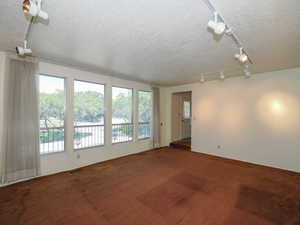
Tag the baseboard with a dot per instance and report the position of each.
(245, 163)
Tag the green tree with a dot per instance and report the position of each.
(145, 106)
(89, 107)
(122, 107)
(52, 109)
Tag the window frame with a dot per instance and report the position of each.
(132, 115)
(65, 112)
(73, 112)
(190, 110)
(138, 115)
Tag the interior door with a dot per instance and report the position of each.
(181, 116)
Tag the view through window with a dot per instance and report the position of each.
(122, 114)
(52, 114)
(88, 114)
(145, 114)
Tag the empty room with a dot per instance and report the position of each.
(149, 112)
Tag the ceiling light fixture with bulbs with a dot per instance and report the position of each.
(33, 8)
(220, 75)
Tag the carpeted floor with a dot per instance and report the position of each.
(162, 187)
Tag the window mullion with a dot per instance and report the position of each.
(108, 114)
(135, 114)
(69, 129)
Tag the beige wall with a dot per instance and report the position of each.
(255, 120)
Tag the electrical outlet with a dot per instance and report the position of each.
(219, 146)
(78, 156)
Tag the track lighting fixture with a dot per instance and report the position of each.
(202, 80)
(33, 8)
(222, 76)
(23, 51)
(218, 27)
(241, 56)
(247, 72)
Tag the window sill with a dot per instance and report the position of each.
(52, 153)
(122, 142)
(88, 148)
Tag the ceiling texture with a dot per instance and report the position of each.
(158, 42)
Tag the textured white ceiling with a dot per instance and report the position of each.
(162, 42)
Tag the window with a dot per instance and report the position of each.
(145, 114)
(186, 110)
(122, 114)
(88, 114)
(52, 114)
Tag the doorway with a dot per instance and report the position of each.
(181, 120)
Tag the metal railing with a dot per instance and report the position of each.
(144, 130)
(52, 139)
(122, 132)
(86, 136)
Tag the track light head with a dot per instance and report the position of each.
(33, 8)
(222, 76)
(218, 27)
(26, 6)
(202, 80)
(247, 72)
(23, 51)
(241, 56)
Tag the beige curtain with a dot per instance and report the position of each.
(156, 118)
(20, 136)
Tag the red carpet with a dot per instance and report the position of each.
(162, 187)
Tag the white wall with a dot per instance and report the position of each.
(255, 120)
